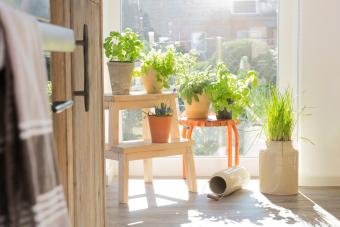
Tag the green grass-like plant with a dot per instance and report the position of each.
(278, 116)
(123, 47)
(193, 84)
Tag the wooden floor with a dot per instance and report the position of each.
(167, 203)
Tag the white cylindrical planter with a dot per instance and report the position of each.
(227, 181)
(279, 168)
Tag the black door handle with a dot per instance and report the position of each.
(85, 44)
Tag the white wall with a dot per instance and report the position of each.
(111, 22)
(319, 86)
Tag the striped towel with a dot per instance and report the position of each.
(30, 192)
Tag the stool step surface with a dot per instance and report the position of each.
(137, 96)
(140, 145)
(138, 150)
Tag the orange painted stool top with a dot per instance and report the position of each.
(211, 121)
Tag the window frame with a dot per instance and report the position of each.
(207, 165)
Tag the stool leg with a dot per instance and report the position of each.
(190, 133)
(184, 132)
(148, 170)
(237, 144)
(192, 184)
(123, 179)
(184, 136)
(188, 136)
(113, 125)
(229, 145)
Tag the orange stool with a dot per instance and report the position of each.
(231, 126)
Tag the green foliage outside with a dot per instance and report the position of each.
(132, 120)
(123, 47)
(261, 58)
(231, 92)
(207, 140)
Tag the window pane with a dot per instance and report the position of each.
(241, 33)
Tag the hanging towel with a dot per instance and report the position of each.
(31, 194)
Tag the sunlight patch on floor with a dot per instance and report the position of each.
(247, 207)
(138, 204)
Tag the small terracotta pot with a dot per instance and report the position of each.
(151, 85)
(160, 128)
(198, 109)
(120, 76)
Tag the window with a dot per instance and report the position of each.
(238, 32)
(244, 7)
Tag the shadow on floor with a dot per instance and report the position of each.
(166, 203)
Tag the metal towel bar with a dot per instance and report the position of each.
(56, 38)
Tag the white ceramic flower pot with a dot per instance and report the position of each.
(279, 168)
(120, 77)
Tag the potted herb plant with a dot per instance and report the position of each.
(156, 68)
(122, 50)
(279, 162)
(230, 93)
(160, 123)
(192, 88)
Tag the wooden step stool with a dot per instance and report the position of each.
(124, 152)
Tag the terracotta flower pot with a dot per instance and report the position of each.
(120, 76)
(151, 85)
(279, 168)
(159, 128)
(198, 109)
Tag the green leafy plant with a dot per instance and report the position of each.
(166, 63)
(161, 110)
(123, 47)
(231, 92)
(193, 84)
(278, 117)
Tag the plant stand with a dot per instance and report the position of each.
(124, 152)
(231, 126)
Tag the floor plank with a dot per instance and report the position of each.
(166, 203)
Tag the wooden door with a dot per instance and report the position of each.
(79, 134)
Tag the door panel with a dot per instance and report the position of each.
(82, 163)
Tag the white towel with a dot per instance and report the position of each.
(33, 195)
